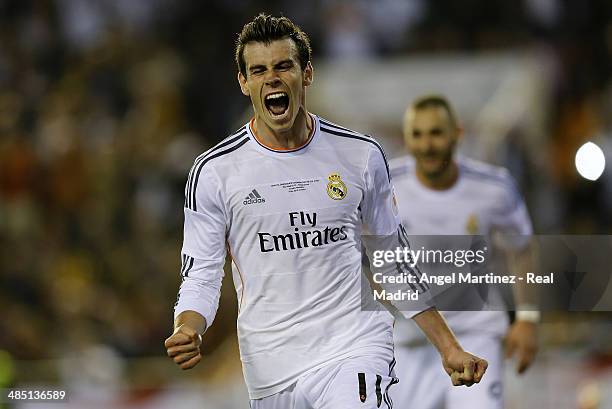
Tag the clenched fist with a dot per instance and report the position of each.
(183, 346)
(464, 368)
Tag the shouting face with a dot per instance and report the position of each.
(275, 82)
(431, 137)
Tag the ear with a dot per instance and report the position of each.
(243, 84)
(459, 132)
(308, 74)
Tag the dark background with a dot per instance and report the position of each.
(104, 104)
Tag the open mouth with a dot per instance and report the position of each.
(277, 103)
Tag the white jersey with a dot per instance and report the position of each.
(293, 222)
(484, 200)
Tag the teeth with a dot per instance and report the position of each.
(276, 95)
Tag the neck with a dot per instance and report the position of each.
(442, 181)
(291, 138)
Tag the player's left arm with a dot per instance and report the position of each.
(384, 232)
(463, 367)
(521, 254)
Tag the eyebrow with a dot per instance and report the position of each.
(261, 66)
(288, 60)
(427, 130)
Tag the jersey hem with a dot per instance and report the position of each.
(363, 351)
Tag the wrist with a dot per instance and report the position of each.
(450, 350)
(192, 320)
(528, 313)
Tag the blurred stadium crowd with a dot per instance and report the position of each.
(105, 103)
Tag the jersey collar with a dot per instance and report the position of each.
(314, 132)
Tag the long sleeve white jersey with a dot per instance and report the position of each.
(484, 200)
(293, 221)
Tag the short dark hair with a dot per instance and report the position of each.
(435, 100)
(265, 28)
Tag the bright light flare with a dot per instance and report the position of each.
(590, 161)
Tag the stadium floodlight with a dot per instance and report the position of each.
(590, 161)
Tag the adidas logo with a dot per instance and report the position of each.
(253, 198)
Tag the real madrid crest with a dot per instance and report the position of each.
(336, 189)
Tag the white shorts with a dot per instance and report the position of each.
(425, 384)
(358, 382)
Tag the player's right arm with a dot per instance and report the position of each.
(203, 257)
(512, 218)
(522, 336)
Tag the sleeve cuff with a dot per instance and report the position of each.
(208, 315)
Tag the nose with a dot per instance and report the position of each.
(423, 147)
(272, 79)
(427, 144)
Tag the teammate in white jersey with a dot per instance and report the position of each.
(291, 197)
(440, 194)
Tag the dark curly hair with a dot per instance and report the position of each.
(265, 28)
